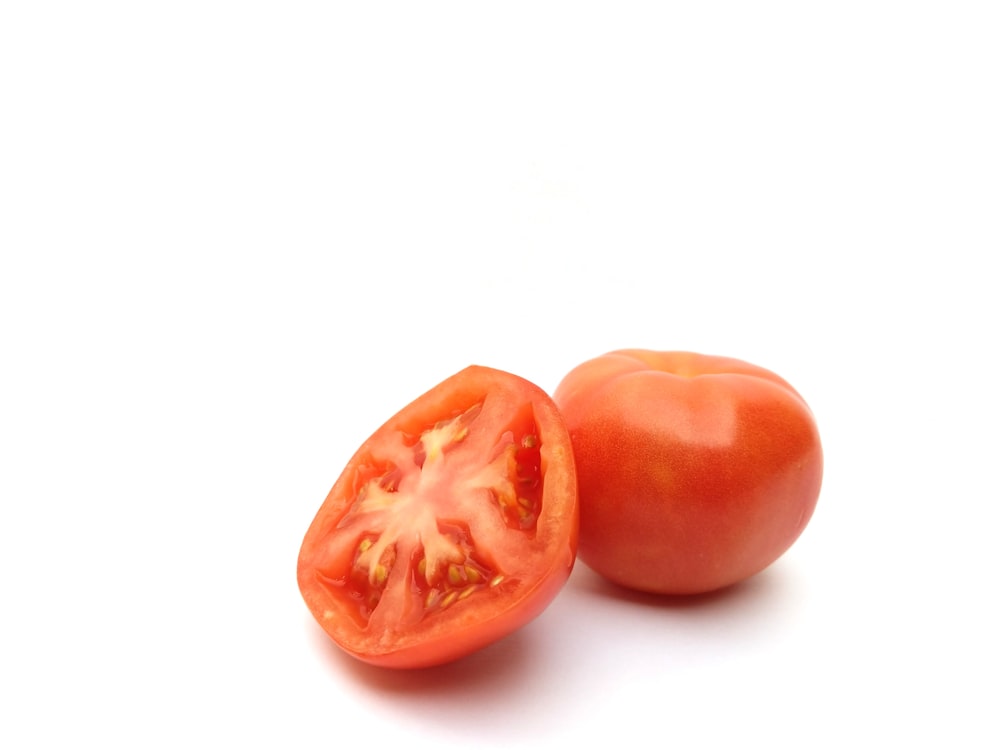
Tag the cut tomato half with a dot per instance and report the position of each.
(452, 526)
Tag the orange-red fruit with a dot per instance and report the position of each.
(452, 526)
(694, 472)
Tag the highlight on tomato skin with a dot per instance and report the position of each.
(452, 526)
(695, 472)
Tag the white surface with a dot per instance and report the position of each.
(237, 236)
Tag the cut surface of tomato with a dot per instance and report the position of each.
(452, 526)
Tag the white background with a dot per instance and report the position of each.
(236, 237)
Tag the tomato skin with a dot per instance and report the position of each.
(695, 472)
(512, 573)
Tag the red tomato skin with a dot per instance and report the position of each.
(695, 472)
(547, 558)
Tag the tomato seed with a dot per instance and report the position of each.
(466, 592)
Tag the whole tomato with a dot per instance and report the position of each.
(694, 472)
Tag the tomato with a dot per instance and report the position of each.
(453, 525)
(695, 472)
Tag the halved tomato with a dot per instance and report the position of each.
(452, 526)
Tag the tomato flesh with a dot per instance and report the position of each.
(452, 525)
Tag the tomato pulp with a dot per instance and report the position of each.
(694, 471)
(453, 525)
